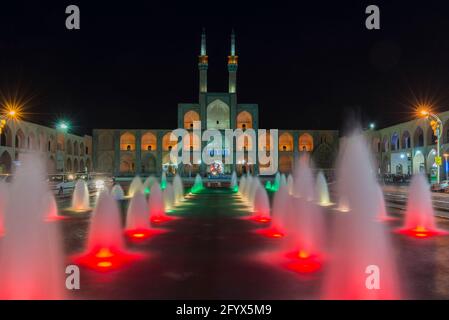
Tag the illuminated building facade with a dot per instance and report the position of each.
(62, 151)
(147, 151)
(410, 147)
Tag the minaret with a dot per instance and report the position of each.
(203, 63)
(232, 66)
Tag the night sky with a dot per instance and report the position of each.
(308, 65)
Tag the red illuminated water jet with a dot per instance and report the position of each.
(302, 261)
(4, 195)
(137, 224)
(51, 209)
(156, 205)
(270, 233)
(420, 217)
(261, 205)
(105, 246)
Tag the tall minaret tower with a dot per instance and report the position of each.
(203, 63)
(232, 66)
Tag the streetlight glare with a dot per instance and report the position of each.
(63, 126)
(372, 126)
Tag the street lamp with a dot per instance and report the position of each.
(437, 127)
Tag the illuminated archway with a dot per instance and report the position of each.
(68, 166)
(20, 139)
(167, 145)
(69, 147)
(418, 137)
(306, 142)
(6, 137)
(285, 163)
(75, 148)
(127, 164)
(286, 142)
(218, 115)
(418, 163)
(244, 120)
(189, 118)
(5, 162)
(127, 142)
(406, 141)
(395, 142)
(149, 142)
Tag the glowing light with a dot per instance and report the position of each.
(63, 126)
(372, 126)
(303, 254)
(421, 232)
(104, 264)
(105, 259)
(160, 219)
(261, 219)
(303, 262)
(270, 233)
(104, 253)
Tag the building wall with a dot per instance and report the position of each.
(113, 155)
(416, 152)
(62, 151)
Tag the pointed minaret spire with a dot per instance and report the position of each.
(203, 42)
(233, 43)
(232, 66)
(203, 63)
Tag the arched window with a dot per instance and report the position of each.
(148, 141)
(306, 142)
(127, 141)
(286, 142)
(218, 115)
(244, 120)
(189, 118)
(418, 137)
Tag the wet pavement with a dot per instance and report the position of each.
(213, 252)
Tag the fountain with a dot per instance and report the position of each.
(4, 196)
(322, 190)
(268, 185)
(156, 205)
(290, 184)
(137, 224)
(283, 181)
(280, 209)
(148, 184)
(31, 259)
(261, 211)
(50, 207)
(276, 183)
(382, 209)
(234, 182)
(419, 216)
(105, 246)
(242, 185)
(163, 180)
(197, 185)
(136, 185)
(117, 192)
(358, 240)
(254, 186)
(304, 181)
(169, 197)
(178, 188)
(80, 198)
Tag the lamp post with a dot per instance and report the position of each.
(437, 126)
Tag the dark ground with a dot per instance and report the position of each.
(212, 253)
